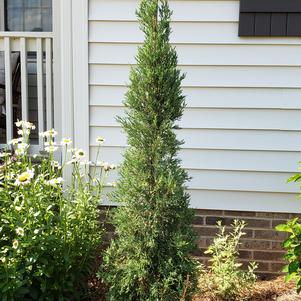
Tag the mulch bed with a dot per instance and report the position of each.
(269, 290)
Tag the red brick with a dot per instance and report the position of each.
(206, 212)
(276, 267)
(198, 220)
(204, 242)
(270, 256)
(266, 275)
(277, 222)
(277, 245)
(273, 215)
(240, 213)
(245, 254)
(199, 252)
(250, 223)
(269, 234)
(206, 231)
(255, 244)
(294, 215)
(262, 266)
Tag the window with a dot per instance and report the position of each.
(270, 18)
(28, 15)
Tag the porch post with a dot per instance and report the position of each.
(66, 49)
(74, 81)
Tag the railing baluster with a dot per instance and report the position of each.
(8, 90)
(49, 84)
(40, 87)
(24, 79)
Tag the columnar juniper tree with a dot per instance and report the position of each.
(149, 260)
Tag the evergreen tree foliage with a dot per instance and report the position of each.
(149, 259)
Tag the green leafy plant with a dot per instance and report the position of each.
(149, 260)
(224, 280)
(48, 233)
(293, 247)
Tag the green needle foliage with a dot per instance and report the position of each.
(149, 260)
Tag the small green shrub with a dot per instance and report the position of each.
(293, 247)
(224, 280)
(49, 234)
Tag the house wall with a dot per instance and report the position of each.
(261, 242)
(2, 15)
(241, 128)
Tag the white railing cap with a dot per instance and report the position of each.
(15, 34)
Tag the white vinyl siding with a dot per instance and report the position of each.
(242, 126)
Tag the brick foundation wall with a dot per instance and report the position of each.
(261, 242)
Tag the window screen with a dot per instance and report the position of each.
(28, 15)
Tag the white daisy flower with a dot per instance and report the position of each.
(51, 148)
(15, 141)
(3, 155)
(79, 154)
(86, 163)
(72, 161)
(49, 133)
(18, 208)
(100, 140)
(19, 123)
(55, 182)
(25, 177)
(20, 231)
(107, 167)
(15, 244)
(66, 141)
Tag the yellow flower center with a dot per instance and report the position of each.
(24, 177)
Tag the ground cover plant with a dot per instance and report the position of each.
(149, 260)
(293, 245)
(223, 279)
(49, 232)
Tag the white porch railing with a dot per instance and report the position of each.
(16, 46)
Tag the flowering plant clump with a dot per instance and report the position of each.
(49, 230)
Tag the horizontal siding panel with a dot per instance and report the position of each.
(182, 10)
(216, 139)
(241, 140)
(215, 118)
(198, 76)
(233, 181)
(268, 161)
(212, 97)
(239, 200)
(241, 181)
(204, 54)
(184, 32)
(246, 201)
